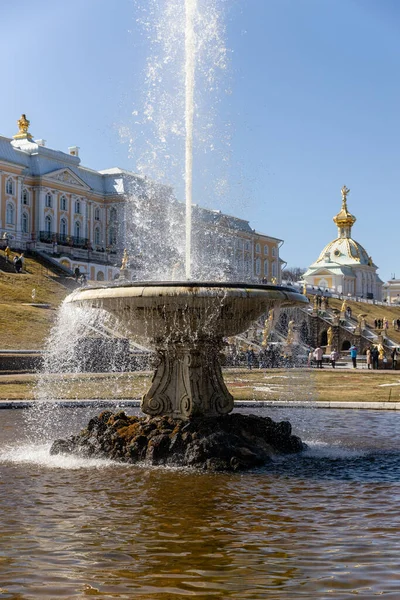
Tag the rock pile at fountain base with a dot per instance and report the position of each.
(231, 442)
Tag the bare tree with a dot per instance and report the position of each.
(293, 274)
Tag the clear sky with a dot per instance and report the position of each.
(313, 104)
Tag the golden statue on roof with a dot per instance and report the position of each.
(345, 191)
(23, 126)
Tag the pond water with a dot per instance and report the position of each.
(321, 525)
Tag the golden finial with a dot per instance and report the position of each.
(23, 126)
(345, 191)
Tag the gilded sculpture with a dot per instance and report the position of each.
(23, 126)
(345, 191)
(268, 324)
(330, 336)
(125, 260)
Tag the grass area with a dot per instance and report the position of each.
(26, 327)
(327, 384)
(372, 311)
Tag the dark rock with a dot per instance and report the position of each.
(228, 443)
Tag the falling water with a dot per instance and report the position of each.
(174, 127)
(190, 49)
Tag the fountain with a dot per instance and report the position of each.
(185, 323)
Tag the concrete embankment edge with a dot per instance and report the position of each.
(13, 404)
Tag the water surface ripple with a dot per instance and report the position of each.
(322, 525)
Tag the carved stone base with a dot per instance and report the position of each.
(188, 382)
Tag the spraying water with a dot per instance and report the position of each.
(189, 110)
(175, 127)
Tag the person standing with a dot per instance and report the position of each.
(353, 355)
(369, 358)
(375, 357)
(318, 354)
(334, 357)
(18, 264)
(394, 358)
(250, 358)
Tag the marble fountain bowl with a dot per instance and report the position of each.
(185, 323)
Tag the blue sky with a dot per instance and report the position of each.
(313, 104)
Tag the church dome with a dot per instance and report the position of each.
(344, 251)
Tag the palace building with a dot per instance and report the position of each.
(51, 204)
(344, 265)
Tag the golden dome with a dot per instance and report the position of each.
(344, 218)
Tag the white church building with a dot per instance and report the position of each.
(344, 265)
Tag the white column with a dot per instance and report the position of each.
(56, 223)
(40, 212)
(20, 183)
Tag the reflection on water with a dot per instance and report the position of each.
(322, 525)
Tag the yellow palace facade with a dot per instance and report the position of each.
(51, 204)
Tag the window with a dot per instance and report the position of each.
(274, 269)
(273, 251)
(48, 224)
(9, 186)
(258, 266)
(63, 203)
(113, 214)
(49, 200)
(266, 250)
(266, 268)
(97, 236)
(10, 214)
(63, 229)
(112, 236)
(25, 223)
(77, 230)
(247, 245)
(97, 214)
(25, 196)
(258, 248)
(77, 207)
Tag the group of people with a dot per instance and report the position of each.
(318, 355)
(377, 358)
(375, 355)
(17, 261)
(384, 323)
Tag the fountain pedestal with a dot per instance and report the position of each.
(188, 382)
(185, 323)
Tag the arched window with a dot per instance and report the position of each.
(10, 214)
(112, 236)
(9, 186)
(266, 250)
(48, 224)
(49, 200)
(77, 207)
(63, 203)
(258, 248)
(258, 266)
(113, 214)
(100, 276)
(77, 229)
(25, 196)
(25, 223)
(97, 214)
(273, 269)
(63, 229)
(97, 236)
(273, 251)
(266, 268)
